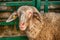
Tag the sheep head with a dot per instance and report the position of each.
(24, 13)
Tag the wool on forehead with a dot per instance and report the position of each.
(24, 8)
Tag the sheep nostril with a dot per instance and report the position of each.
(29, 12)
(22, 24)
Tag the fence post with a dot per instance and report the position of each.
(46, 6)
(38, 4)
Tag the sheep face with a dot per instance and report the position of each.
(24, 13)
(24, 18)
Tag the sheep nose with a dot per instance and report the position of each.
(22, 25)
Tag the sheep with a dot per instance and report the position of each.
(36, 25)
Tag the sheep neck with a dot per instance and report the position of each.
(33, 29)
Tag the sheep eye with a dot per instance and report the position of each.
(14, 16)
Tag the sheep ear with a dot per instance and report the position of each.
(12, 17)
(35, 10)
(36, 14)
